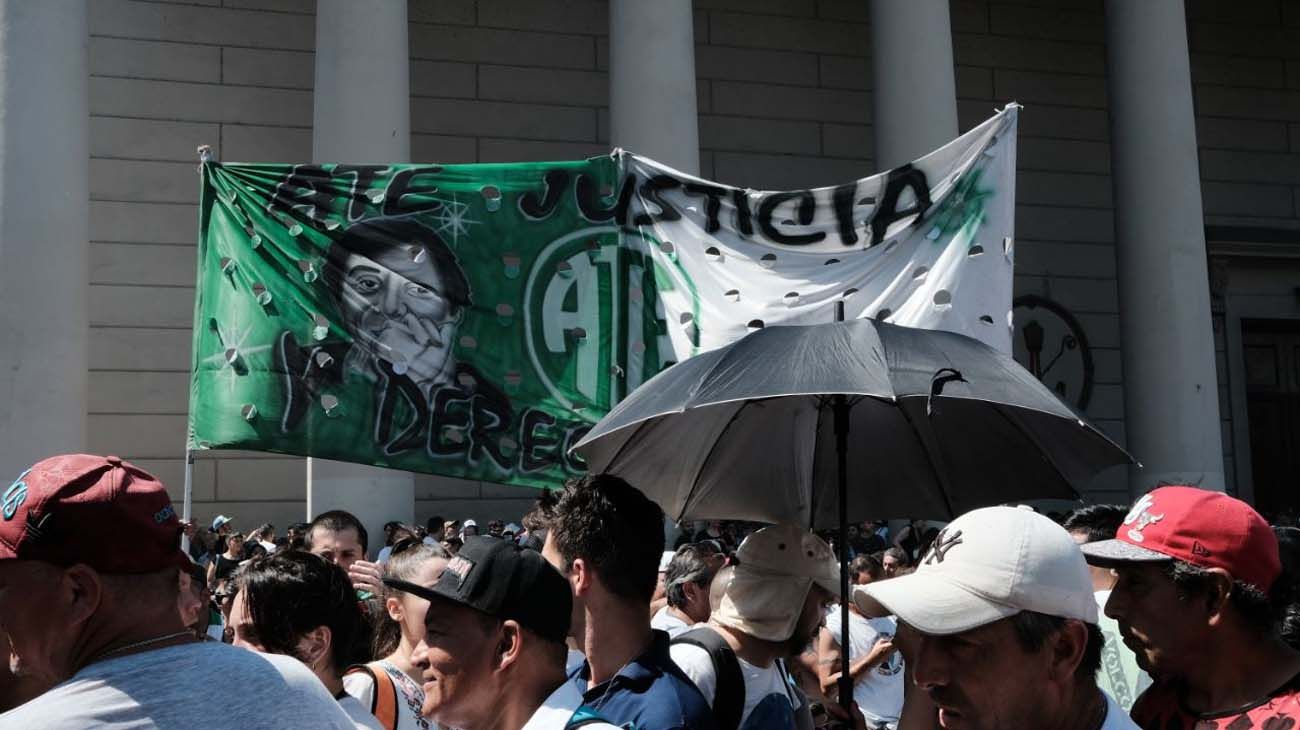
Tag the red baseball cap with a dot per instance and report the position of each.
(1197, 526)
(97, 510)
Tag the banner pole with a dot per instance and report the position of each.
(187, 502)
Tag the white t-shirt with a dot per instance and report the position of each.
(183, 687)
(359, 714)
(385, 553)
(410, 695)
(770, 700)
(879, 691)
(664, 620)
(556, 711)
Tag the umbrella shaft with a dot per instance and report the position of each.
(840, 409)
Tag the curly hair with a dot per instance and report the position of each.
(615, 529)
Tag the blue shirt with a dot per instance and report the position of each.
(649, 693)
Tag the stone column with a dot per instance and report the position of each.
(1171, 400)
(915, 109)
(44, 212)
(652, 103)
(362, 114)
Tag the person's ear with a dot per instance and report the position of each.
(314, 647)
(83, 591)
(1066, 650)
(1218, 594)
(582, 576)
(509, 645)
(394, 608)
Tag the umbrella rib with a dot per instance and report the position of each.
(695, 480)
(1041, 451)
(933, 458)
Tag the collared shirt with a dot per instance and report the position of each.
(650, 692)
(558, 711)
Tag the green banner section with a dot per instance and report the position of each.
(465, 320)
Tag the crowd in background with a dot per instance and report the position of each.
(1176, 612)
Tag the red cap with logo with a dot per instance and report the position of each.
(1197, 526)
(97, 510)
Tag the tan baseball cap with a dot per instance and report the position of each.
(776, 567)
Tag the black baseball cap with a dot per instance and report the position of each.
(503, 580)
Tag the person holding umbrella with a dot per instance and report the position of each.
(772, 607)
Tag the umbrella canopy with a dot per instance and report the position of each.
(939, 424)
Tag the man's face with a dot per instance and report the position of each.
(811, 618)
(455, 660)
(396, 306)
(1102, 578)
(979, 679)
(1162, 630)
(890, 566)
(471, 530)
(342, 548)
(577, 619)
(235, 544)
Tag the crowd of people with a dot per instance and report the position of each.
(1179, 611)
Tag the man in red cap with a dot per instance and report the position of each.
(91, 571)
(1197, 598)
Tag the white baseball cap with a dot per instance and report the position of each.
(989, 564)
(776, 567)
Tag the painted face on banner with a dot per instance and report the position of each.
(395, 305)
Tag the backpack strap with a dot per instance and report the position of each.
(383, 701)
(729, 695)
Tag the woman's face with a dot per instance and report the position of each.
(235, 544)
(410, 610)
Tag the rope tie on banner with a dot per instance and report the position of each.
(205, 155)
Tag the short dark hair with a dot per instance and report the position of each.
(687, 566)
(1096, 521)
(614, 528)
(292, 593)
(865, 564)
(1259, 611)
(1033, 629)
(435, 523)
(376, 236)
(338, 520)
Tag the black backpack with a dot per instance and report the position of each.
(729, 692)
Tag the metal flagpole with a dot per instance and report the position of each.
(187, 503)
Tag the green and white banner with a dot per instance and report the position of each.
(475, 320)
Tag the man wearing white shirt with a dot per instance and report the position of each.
(686, 584)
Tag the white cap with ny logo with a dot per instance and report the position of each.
(987, 565)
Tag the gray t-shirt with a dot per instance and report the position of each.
(184, 687)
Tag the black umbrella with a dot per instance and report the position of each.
(922, 423)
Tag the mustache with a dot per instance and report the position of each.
(947, 697)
